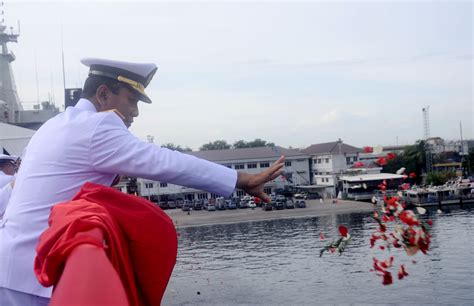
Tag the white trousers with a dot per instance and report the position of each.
(10, 297)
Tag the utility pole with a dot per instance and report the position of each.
(426, 130)
(462, 152)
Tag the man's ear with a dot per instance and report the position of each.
(101, 95)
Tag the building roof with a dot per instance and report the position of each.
(330, 148)
(246, 153)
(370, 177)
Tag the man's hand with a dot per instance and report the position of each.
(253, 183)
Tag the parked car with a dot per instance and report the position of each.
(179, 203)
(197, 205)
(243, 204)
(186, 207)
(221, 205)
(267, 206)
(289, 204)
(300, 204)
(171, 204)
(279, 205)
(251, 204)
(211, 207)
(312, 196)
(163, 205)
(232, 205)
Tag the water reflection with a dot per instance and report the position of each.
(277, 262)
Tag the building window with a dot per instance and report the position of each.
(267, 190)
(240, 193)
(251, 166)
(348, 160)
(202, 195)
(355, 158)
(264, 165)
(163, 184)
(326, 160)
(239, 166)
(148, 185)
(319, 160)
(228, 166)
(288, 164)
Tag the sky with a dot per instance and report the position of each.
(292, 73)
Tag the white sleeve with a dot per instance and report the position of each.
(114, 150)
(5, 193)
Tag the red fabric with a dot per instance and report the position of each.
(141, 241)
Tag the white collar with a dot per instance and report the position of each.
(86, 105)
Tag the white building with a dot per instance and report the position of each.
(251, 160)
(328, 160)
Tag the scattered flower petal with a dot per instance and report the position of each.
(421, 210)
(368, 150)
(343, 230)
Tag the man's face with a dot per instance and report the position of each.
(125, 102)
(8, 168)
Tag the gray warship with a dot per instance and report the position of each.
(11, 109)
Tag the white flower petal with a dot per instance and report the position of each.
(421, 210)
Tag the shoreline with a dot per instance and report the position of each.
(313, 209)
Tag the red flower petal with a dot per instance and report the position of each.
(405, 186)
(387, 278)
(401, 272)
(412, 174)
(390, 156)
(358, 164)
(430, 222)
(368, 150)
(321, 236)
(381, 161)
(343, 230)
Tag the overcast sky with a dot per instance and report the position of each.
(294, 74)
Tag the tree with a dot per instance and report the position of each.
(240, 144)
(174, 147)
(468, 161)
(413, 159)
(252, 144)
(439, 178)
(216, 145)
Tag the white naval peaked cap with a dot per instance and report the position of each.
(4, 157)
(136, 75)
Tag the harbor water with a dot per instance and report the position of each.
(277, 262)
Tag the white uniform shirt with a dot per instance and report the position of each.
(78, 146)
(5, 191)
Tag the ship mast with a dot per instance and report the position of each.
(10, 105)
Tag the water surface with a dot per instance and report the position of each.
(277, 262)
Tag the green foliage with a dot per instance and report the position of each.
(413, 159)
(223, 145)
(468, 162)
(216, 145)
(172, 146)
(439, 178)
(252, 144)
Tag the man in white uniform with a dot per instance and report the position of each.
(90, 143)
(7, 172)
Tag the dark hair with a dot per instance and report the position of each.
(93, 82)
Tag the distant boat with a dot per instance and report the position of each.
(461, 192)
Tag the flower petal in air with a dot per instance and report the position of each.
(343, 230)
